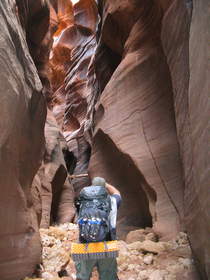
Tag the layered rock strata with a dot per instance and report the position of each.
(21, 148)
(137, 114)
(39, 21)
(185, 44)
(156, 180)
(73, 48)
(52, 183)
(26, 37)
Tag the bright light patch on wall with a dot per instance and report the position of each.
(74, 1)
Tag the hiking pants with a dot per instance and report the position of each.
(107, 269)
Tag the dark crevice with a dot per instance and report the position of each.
(58, 181)
(84, 153)
(70, 159)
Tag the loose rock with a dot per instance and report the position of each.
(148, 259)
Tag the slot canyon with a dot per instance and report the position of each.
(110, 88)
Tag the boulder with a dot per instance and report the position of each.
(136, 235)
(148, 246)
(148, 259)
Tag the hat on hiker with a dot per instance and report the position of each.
(98, 181)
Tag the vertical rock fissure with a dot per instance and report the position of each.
(156, 166)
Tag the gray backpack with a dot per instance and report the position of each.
(94, 206)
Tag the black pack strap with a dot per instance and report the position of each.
(86, 247)
(91, 222)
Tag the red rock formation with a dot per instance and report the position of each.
(74, 45)
(133, 99)
(39, 20)
(55, 191)
(137, 117)
(21, 148)
(185, 45)
(22, 139)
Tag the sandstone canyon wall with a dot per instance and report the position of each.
(185, 41)
(127, 83)
(197, 194)
(54, 192)
(136, 115)
(72, 76)
(140, 117)
(23, 113)
(27, 142)
(80, 72)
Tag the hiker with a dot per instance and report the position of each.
(97, 223)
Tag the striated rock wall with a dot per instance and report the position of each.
(125, 94)
(197, 195)
(185, 43)
(39, 21)
(22, 120)
(76, 93)
(71, 75)
(28, 200)
(135, 113)
(56, 195)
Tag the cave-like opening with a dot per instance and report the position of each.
(120, 170)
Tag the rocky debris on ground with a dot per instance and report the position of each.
(141, 235)
(145, 258)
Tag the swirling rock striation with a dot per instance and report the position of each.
(125, 94)
(185, 43)
(28, 201)
(22, 121)
(51, 184)
(71, 73)
(135, 113)
(39, 21)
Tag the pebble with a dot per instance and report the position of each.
(140, 260)
(148, 259)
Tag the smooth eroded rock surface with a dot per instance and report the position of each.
(22, 118)
(135, 143)
(185, 42)
(130, 91)
(56, 192)
(71, 76)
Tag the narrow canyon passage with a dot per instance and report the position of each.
(110, 89)
(71, 107)
(144, 117)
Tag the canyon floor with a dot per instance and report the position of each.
(141, 256)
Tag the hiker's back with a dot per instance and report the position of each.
(97, 212)
(93, 217)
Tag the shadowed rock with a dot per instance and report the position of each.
(22, 120)
(55, 191)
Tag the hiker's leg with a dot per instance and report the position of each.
(84, 269)
(107, 269)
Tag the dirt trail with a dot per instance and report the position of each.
(142, 256)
